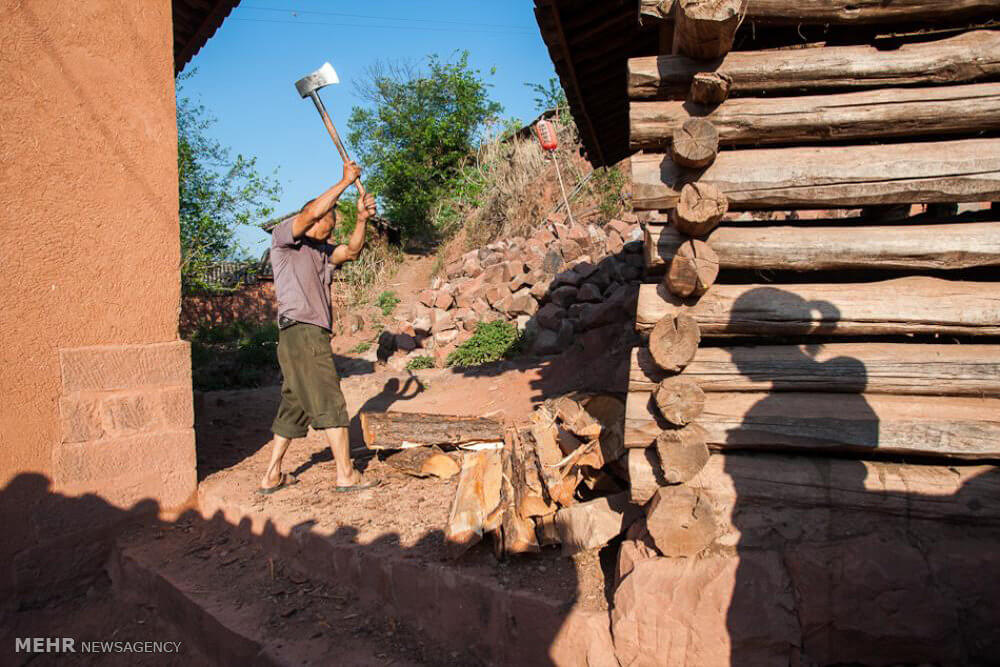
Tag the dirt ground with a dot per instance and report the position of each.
(404, 514)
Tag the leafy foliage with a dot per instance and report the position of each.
(419, 128)
(549, 95)
(420, 363)
(360, 348)
(491, 341)
(606, 184)
(233, 355)
(216, 193)
(387, 301)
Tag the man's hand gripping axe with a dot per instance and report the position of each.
(308, 86)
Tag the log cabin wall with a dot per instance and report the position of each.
(818, 183)
(904, 121)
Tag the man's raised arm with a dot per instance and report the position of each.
(350, 251)
(314, 211)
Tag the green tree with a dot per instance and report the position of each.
(420, 126)
(549, 95)
(216, 194)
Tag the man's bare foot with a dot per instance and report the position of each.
(270, 479)
(351, 479)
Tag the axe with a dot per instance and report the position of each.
(308, 86)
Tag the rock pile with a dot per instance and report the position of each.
(562, 280)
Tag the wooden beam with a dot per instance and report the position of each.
(971, 56)
(840, 12)
(891, 307)
(831, 176)
(894, 112)
(958, 427)
(400, 430)
(897, 247)
(879, 368)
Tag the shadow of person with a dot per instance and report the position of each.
(761, 621)
(392, 391)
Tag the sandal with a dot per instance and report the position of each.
(357, 487)
(285, 481)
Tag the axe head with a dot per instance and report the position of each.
(310, 83)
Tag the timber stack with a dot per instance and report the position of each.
(818, 183)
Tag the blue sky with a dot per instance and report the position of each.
(246, 73)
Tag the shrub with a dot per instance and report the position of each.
(387, 301)
(606, 185)
(233, 355)
(420, 363)
(491, 341)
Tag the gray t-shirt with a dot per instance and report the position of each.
(302, 276)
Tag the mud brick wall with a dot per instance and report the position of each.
(95, 382)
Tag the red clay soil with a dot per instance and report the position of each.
(404, 514)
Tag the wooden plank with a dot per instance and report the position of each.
(881, 368)
(894, 112)
(831, 176)
(902, 247)
(588, 525)
(476, 507)
(971, 56)
(841, 12)
(705, 29)
(400, 430)
(914, 304)
(958, 427)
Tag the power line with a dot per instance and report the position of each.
(390, 18)
(383, 27)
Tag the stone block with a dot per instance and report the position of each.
(176, 407)
(443, 320)
(615, 244)
(491, 259)
(570, 249)
(80, 415)
(453, 269)
(589, 293)
(560, 230)
(551, 316)
(540, 289)
(585, 268)
(426, 297)
(522, 303)
(405, 342)
(98, 463)
(496, 293)
(445, 337)
(481, 306)
(552, 262)
(578, 233)
(111, 367)
(619, 226)
(543, 236)
(443, 300)
(497, 274)
(563, 296)
(568, 277)
(679, 611)
(546, 343)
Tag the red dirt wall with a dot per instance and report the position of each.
(90, 252)
(254, 303)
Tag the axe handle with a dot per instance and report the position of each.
(333, 135)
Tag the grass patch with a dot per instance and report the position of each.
(491, 341)
(387, 302)
(420, 363)
(606, 185)
(234, 355)
(360, 348)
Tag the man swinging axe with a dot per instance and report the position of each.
(303, 261)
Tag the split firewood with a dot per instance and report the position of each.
(588, 525)
(699, 210)
(695, 144)
(673, 342)
(609, 411)
(401, 430)
(705, 29)
(424, 462)
(574, 417)
(710, 88)
(568, 443)
(645, 476)
(683, 452)
(558, 472)
(536, 500)
(679, 400)
(680, 522)
(545, 433)
(693, 270)
(476, 507)
(516, 533)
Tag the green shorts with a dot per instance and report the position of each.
(310, 391)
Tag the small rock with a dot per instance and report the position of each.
(552, 262)
(543, 236)
(480, 306)
(427, 297)
(522, 303)
(590, 293)
(497, 273)
(569, 277)
(443, 320)
(445, 337)
(620, 226)
(615, 244)
(550, 316)
(584, 268)
(443, 300)
(563, 296)
(405, 342)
